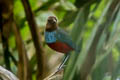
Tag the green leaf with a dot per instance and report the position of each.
(80, 59)
(68, 5)
(116, 72)
(76, 31)
(111, 42)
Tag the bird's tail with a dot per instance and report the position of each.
(78, 47)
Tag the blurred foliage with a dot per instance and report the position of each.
(84, 19)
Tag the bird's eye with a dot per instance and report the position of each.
(52, 21)
(49, 20)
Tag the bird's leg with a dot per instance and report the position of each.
(64, 61)
(62, 64)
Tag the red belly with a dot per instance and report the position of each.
(60, 47)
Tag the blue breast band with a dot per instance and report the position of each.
(50, 37)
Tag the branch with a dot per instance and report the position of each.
(36, 38)
(55, 75)
(23, 64)
(7, 75)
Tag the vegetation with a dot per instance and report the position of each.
(93, 24)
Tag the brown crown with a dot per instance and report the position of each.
(51, 23)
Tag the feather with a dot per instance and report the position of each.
(62, 36)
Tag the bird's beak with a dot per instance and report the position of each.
(54, 21)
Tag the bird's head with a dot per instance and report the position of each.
(51, 23)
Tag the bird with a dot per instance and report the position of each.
(59, 40)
